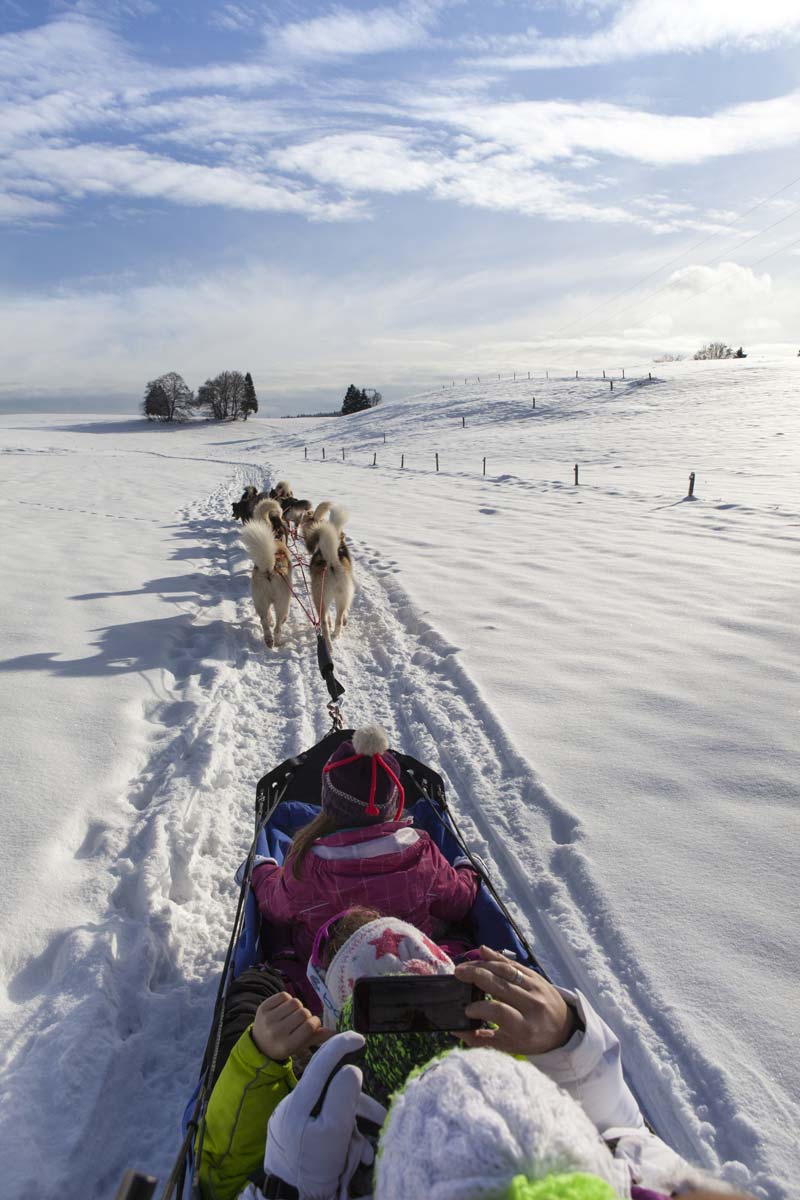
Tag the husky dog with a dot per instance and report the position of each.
(311, 523)
(272, 575)
(332, 573)
(282, 491)
(270, 510)
(243, 509)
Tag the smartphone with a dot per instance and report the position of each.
(413, 1004)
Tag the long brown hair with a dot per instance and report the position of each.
(304, 839)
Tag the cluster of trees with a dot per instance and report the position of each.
(359, 399)
(719, 350)
(226, 397)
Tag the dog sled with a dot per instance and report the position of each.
(286, 799)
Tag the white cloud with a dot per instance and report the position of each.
(310, 332)
(345, 32)
(645, 27)
(100, 169)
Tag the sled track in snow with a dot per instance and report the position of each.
(224, 712)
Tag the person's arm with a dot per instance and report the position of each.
(558, 1031)
(274, 898)
(454, 887)
(249, 1088)
(256, 1077)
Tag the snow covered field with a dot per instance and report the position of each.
(606, 674)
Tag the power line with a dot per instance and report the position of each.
(696, 245)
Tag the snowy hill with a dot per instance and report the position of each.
(604, 673)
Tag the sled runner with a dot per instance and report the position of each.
(287, 798)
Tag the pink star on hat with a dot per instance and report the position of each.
(387, 943)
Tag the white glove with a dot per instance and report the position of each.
(258, 861)
(319, 1154)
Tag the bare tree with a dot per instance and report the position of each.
(168, 398)
(224, 396)
(715, 350)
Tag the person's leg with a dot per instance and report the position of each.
(245, 994)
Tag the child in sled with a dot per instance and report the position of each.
(358, 852)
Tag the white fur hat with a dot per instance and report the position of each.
(469, 1124)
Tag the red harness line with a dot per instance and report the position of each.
(315, 621)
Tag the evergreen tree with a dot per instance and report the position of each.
(250, 403)
(359, 399)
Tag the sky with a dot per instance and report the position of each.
(391, 196)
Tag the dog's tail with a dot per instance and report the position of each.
(328, 544)
(320, 511)
(259, 542)
(339, 517)
(266, 508)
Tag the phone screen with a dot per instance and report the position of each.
(413, 1004)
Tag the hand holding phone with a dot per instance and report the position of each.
(414, 1004)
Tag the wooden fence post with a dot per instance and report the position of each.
(623, 372)
(484, 466)
(463, 422)
(342, 453)
(305, 449)
(402, 461)
(323, 454)
(576, 473)
(375, 459)
(576, 374)
(691, 484)
(529, 374)
(533, 402)
(547, 374)
(384, 437)
(650, 376)
(604, 374)
(611, 381)
(437, 460)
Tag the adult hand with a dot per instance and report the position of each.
(313, 1141)
(530, 1014)
(282, 1027)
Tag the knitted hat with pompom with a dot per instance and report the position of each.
(361, 780)
(480, 1123)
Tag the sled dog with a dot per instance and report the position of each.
(272, 576)
(281, 491)
(271, 511)
(332, 573)
(311, 523)
(243, 509)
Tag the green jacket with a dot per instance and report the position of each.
(246, 1094)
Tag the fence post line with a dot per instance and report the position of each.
(323, 454)
(576, 374)
(463, 422)
(375, 459)
(611, 381)
(650, 376)
(342, 453)
(402, 461)
(305, 451)
(533, 402)
(515, 377)
(604, 374)
(384, 437)
(437, 460)
(691, 483)
(547, 374)
(576, 473)
(623, 372)
(484, 466)
(529, 374)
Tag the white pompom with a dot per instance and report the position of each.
(370, 739)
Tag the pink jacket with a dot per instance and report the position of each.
(391, 867)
